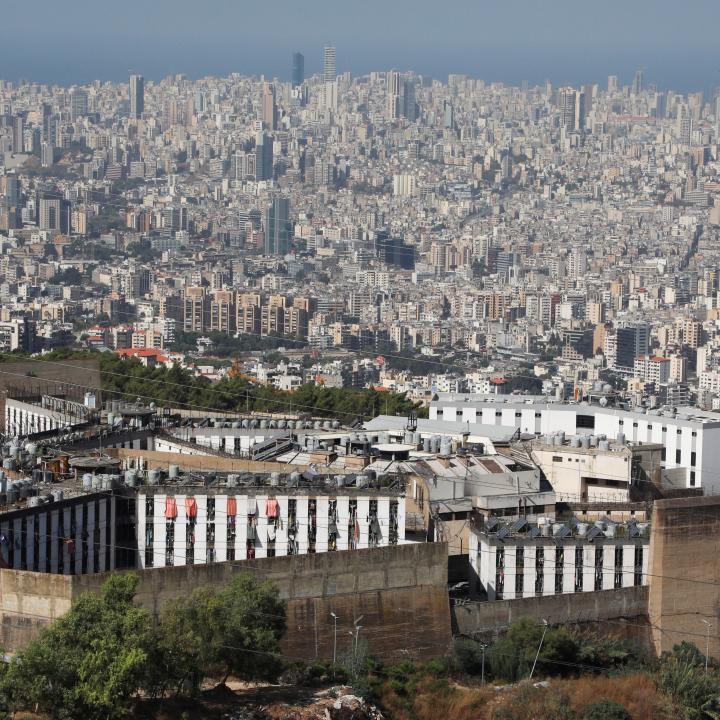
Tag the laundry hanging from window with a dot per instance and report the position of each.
(231, 507)
(272, 508)
(191, 507)
(170, 508)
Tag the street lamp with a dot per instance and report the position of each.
(537, 654)
(707, 643)
(334, 617)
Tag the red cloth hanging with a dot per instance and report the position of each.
(170, 508)
(271, 508)
(356, 532)
(232, 507)
(190, 507)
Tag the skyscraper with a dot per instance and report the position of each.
(400, 97)
(329, 66)
(78, 103)
(579, 111)
(263, 157)
(277, 227)
(18, 134)
(612, 85)
(566, 102)
(269, 107)
(137, 96)
(298, 69)
(638, 83)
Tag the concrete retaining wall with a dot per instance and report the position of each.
(400, 591)
(620, 612)
(685, 573)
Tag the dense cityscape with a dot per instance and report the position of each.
(434, 360)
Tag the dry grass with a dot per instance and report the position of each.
(637, 693)
(432, 698)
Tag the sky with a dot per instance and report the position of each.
(567, 42)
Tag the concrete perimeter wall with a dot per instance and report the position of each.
(28, 602)
(620, 613)
(685, 573)
(400, 591)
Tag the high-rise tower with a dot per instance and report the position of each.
(137, 96)
(329, 66)
(298, 69)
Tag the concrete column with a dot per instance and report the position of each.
(529, 582)
(343, 505)
(244, 505)
(221, 527)
(608, 566)
(30, 541)
(301, 535)
(363, 511)
(19, 543)
(159, 543)
(281, 536)
(261, 543)
(201, 528)
(321, 544)
(80, 510)
(509, 575)
(42, 550)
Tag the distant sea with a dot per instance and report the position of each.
(680, 71)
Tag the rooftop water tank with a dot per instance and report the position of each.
(621, 438)
(87, 482)
(581, 529)
(610, 530)
(585, 440)
(153, 477)
(604, 445)
(232, 480)
(131, 478)
(173, 471)
(58, 495)
(426, 444)
(575, 441)
(274, 479)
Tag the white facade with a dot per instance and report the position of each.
(23, 418)
(304, 523)
(524, 567)
(691, 437)
(75, 537)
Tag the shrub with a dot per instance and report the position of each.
(606, 710)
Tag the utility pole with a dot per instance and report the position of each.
(537, 654)
(334, 617)
(482, 671)
(707, 643)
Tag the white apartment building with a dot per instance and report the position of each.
(518, 561)
(185, 528)
(690, 437)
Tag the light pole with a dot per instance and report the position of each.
(482, 671)
(356, 635)
(707, 643)
(537, 654)
(334, 617)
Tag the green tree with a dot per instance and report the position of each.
(681, 674)
(234, 631)
(90, 662)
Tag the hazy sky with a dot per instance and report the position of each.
(506, 40)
